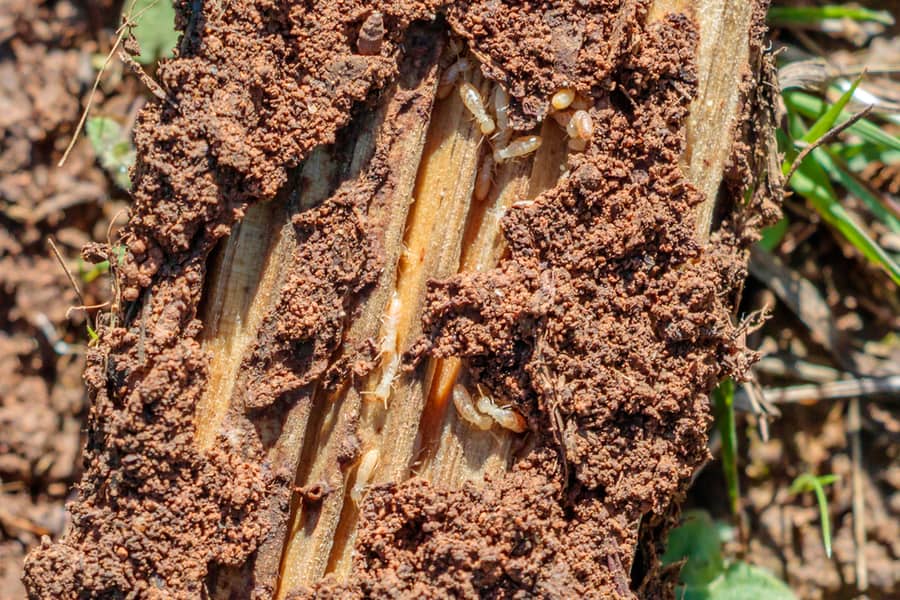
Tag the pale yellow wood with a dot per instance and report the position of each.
(313, 530)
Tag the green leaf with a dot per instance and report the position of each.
(697, 541)
(772, 235)
(812, 107)
(785, 15)
(705, 574)
(723, 398)
(828, 119)
(875, 205)
(89, 275)
(811, 182)
(155, 30)
(742, 582)
(112, 147)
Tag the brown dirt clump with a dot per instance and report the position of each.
(607, 324)
(505, 537)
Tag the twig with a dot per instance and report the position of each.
(65, 268)
(859, 508)
(73, 281)
(794, 368)
(86, 308)
(829, 135)
(9, 519)
(128, 23)
(155, 88)
(90, 100)
(835, 390)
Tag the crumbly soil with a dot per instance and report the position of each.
(606, 324)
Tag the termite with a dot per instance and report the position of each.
(505, 417)
(466, 409)
(484, 179)
(580, 126)
(450, 76)
(364, 474)
(501, 111)
(388, 349)
(563, 99)
(472, 100)
(518, 147)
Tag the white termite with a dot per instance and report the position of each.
(501, 112)
(466, 409)
(563, 98)
(450, 76)
(364, 474)
(505, 417)
(484, 179)
(580, 126)
(472, 100)
(388, 350)
(520, 146)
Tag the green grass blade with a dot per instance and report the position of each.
(807, 482)
(875, 204)
(811, 182)
(812, 107)
(828, 119)
(827, 479)
(723, 398)
(774, 234)
(801, 15)
(824, 518)
(89, 275)
(860, 155)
